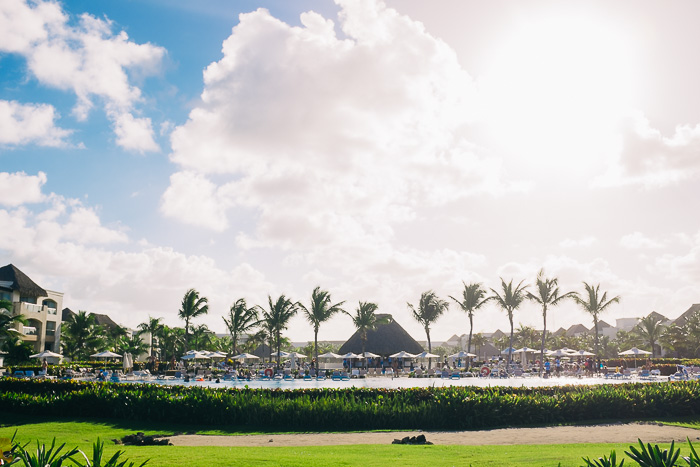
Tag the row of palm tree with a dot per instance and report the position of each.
(509, 298)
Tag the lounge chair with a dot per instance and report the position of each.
(29, 374)
(18, 374)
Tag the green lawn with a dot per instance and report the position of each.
(82, 433)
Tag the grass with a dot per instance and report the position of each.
(82, 433)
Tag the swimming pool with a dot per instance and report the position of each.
(403, 382)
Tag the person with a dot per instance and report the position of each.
(44, 366)
(557, 364)
(547, 367)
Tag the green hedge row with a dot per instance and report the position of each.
(450, 408)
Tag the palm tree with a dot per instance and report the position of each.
(81, 336)
(7, 321)
(650, 330)
(430, 308)
(241, 320)
(172, 341)
(473, 298)
(254, 341)
(595, 304)
(547, 295)
(479, 341)
(133, 345)
(510, 301)
(365, 320)
(192, 306)
(277, 318)
(153, 327)
(320, 311)
(201, 337)
(114, 335)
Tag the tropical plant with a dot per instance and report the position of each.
(277, 318)
(18, 351)
(43, 457)
(81, 336)
(430, 308)
(473, 298)
(526, 336)
(133, 345)
(604, 461)
(510, 301)
(648, 456)
(242, 319)
(479, 340)
(649, 329)
(365, 320)
(172, 342)
(320, 310)
(7, 321)
(201, 337)
(547, 296)
(595, 304)
(192, 306)
(153, 327)
(254, 341)
(114, 335)
(98, 459)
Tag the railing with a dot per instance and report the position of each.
(51, 311)
(29, 331)
(31, 307)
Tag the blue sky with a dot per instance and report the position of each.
(376, 149)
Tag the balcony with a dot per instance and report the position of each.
(51, 311)
(29, 308)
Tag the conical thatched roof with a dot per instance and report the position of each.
(387, 339)
(21, 282)
(100, 320)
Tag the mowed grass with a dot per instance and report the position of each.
(82, 433)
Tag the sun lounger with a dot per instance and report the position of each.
(355, 373)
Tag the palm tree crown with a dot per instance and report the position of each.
(319, 311)
(473, 298)
(192, 306)
(510, 301)
(594, 304)
(241, 319)
(153, 327)
(650, 331)
(277, 318)
(365, 320)
(547, 296)
(430, 308)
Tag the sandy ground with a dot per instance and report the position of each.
(616, 433)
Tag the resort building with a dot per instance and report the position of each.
(40, 307)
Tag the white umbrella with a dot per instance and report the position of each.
(403, 354)
(330, 355)
(351, 355)
(46, 354)
(282, 354)
(246, 356)
(126, 363)
(106, 354)
(559, 353)
(296, 355)
(217, 355)
(462, 354)
(427, 354)
(635, 351)
(194, 356)
(509, 350)
(583, 353)
(370, 355)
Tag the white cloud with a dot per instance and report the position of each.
(86, 58)
(19, 188)
(649, 158)
(638, 240)
(134, 134)
(578, 243)
(683, 267)
(30, 123)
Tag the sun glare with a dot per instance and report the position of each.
(559, 82)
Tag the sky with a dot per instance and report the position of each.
(376, 149)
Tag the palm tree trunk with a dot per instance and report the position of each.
(316, 344)
(187, 335)
(510, 346)
(430, 346)
(595, 325)
(279, 344)
(364, 341)
(471, 328)
(544, 337)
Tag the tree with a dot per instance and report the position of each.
(18, 351)
(133, 345)
(650, 330)
(242, 319)
(320, 311)
(81, 336)
(153, 327)
(192, 307)
(172, 342)
(277, 318)
(114, 335)
(365, 320)
(479, 340)
(547, 296)
(526, 336)
(8, 322)
(254, 341)
(201, 337)
(595, 304)
(473, 298)
(430, 308)
(510, 301)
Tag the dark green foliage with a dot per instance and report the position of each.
(51, 457)
(449, 408)
(648, 456)
(604, 461)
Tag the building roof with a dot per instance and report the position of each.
(658, 317)
(100, 320)
(559, 332)
(576, 329)
(603, 325)
(386, 339)
(21, 282)
(682, 319)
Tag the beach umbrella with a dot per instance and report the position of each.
(330, 355)
(127, 362)
(427, 354)
(194, 356)
(282, 354)
(351, 355)
(106, 354)
(635, 351)
(246, 356)
(46, 354)
(296, 355)
(370, 355)
(403, 354)
(509, 350)
(558, 353)
(217, 355)
(583, 353)
(462, 354)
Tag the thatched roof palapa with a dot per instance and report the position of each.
(386, 339)
(100, 319)
(21, 282)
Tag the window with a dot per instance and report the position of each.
(6, 295)
(50, 328)
(28, 300)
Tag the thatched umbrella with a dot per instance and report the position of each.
(385, 340)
